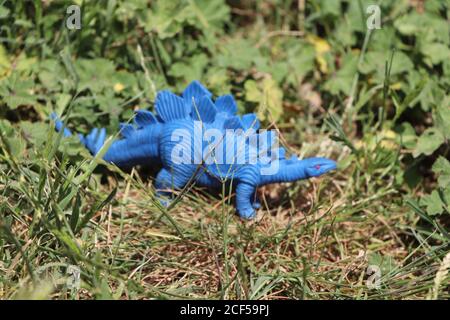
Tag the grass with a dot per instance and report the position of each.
(357, 233)
(311, 240)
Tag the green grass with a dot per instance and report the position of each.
(315, 239)
(312, 240)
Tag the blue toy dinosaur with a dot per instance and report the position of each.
(196, 139)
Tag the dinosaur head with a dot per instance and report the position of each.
(293, 169)
(315, 167)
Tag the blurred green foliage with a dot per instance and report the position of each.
(383, 93)
(127, 49)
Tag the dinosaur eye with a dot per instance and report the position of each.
(317, 166)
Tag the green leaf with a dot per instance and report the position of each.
(410, 99)
(433, 203)
(436, 52)
(408, 24)
(212, 14)
(23, 63)
(217, 80)
(301, 60)
(384, 262)
(17, 146)
(70, 243)
(435, 5)
(329, 7)
(432, 95)
(268, 95)
(62, 101)
(166, 18)
(383, 40)
(191, 69)
(341, 81)
(401, 63)
(442, 120)
(52, 74)
(427, 27)
(407, 135)
(17, 92)
(442, 168)
(238, 54)
(356, 14)
(5, 62)
(95, 74)
(344, 34)
(104, 292)
(4, 12)
(109, 103)
(35, 132)
(428, 142)
(252, 92)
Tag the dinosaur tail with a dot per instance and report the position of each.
(138, 144)
(92, 141)
(294, 169)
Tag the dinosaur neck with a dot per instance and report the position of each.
(288, 171)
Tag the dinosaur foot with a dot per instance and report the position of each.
(256, 205)
(247, 213)
(164, 202)
(163, 198)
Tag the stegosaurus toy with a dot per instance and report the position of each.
(179, 138)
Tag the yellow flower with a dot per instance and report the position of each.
(118, 87)
(396, 86)
(321, 46)
(388, 141)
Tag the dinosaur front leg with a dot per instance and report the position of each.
(244, 194)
